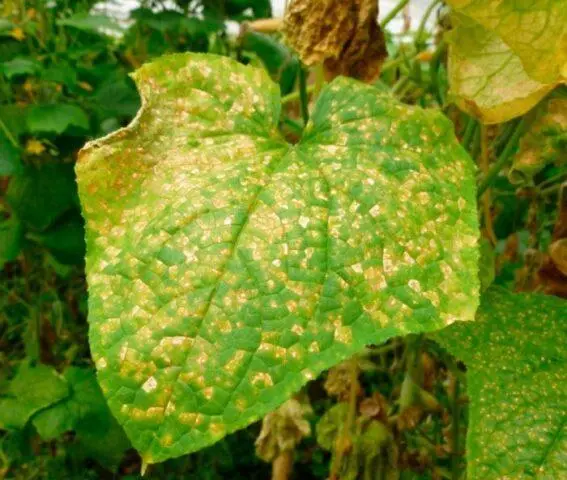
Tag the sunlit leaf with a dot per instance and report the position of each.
(535, 31)
(517, 371)
(486, 78)
(226, 267)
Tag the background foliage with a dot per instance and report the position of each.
(64, 79)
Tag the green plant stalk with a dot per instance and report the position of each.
(469, 132)
(397, 9)
(502, 159)
(400, 85)
(293, 96)
(455, 431)
(8, 134)
(303, 98)
(423, 23)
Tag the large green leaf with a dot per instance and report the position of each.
(226, 267)
(516, 359)
(535, 31)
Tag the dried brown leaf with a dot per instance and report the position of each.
(345, 36)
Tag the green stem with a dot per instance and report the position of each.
(293, 96)
(502, 159)
(469, 133)
(421, 28)
(8, 134)
(397, 9)
(400, 85)
(303, 99)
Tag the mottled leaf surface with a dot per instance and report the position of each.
(516, 359)
(535, 31)
(487, 79)
(226, 267)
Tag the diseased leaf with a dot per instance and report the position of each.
(345, 36)
(535, 31)
(226, 267)
(33, 388)
(486, 78)
(516, 359)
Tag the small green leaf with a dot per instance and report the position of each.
(32, 389)
(10, 163)
(11, 236)
(517, 371)
(20, 66)
(39, 196)
(56, 118)
(226, 267)
(90, 23)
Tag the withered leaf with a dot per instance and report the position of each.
(344, 36)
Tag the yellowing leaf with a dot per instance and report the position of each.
(535, 31)
(226, 267)
(486, 78)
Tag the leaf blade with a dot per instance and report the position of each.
(212, 292)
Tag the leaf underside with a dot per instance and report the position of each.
(226, 268)
(516, 360)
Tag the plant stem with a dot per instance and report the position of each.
(304, 101)
(502, 159)
(282, 465)
(456, 413)
(293, 96)
(469, 133)
(397, 9)
(485, 199)
(8, 134)
(400, 85)
(421, 28)
(344, 439)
